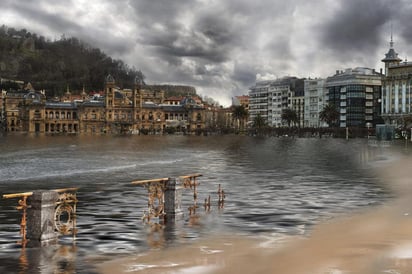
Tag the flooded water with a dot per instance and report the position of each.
(275, 187)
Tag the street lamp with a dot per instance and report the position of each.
(368, 126)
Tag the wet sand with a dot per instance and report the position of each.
(376, 240)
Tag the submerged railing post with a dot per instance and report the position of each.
(40, 217)
(165, 198)
(46, 214)
(173, 201)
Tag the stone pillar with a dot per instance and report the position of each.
(40, 217)
(173, 201)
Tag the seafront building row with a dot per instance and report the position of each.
(362, 96)
(116, 111)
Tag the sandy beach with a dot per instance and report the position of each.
(376, 240)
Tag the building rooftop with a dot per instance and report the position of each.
(391, 55)
(61, 105)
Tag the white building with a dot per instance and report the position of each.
(270, 98)
(315, 101)
(258, 102)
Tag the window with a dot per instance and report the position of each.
(37, 114)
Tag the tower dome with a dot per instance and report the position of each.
(392, 55)
(138, 81)
(109, 79)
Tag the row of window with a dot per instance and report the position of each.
(58, 115)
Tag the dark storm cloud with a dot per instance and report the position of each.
(60, 24)
(224, 45)
(32, 10)
(405, 15)
(217, 27)
(206, 37)
(244, 73)
(213, 35)
(356, 27)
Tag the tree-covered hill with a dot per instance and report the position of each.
(56, 65)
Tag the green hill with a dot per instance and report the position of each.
(56, 65)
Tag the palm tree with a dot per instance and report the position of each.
(259, 122)
(239, 114)
(329, 114)
(289, 116)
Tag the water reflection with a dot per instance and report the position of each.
(59, 259)
(274, 186)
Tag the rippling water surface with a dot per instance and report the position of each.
(274, 187)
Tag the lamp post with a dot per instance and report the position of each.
(368, 126)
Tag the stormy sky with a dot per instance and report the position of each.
(222, 47)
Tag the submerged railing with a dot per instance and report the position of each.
(165, 197)
(46, 212)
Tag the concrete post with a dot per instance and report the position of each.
(40, 217)
(173, 201)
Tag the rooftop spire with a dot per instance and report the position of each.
(391, 58)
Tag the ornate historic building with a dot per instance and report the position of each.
(117, 112)
(396, 89)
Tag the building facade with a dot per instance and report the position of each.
(117, 112)
(315, 101)
(396, 90)
(356, 94)
(269, 98)
(242, 100)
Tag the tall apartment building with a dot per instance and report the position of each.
(356, 93)
(396, 89)
(298, 100)
(315, 100)
(270, 98)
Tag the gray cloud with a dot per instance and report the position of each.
(244, 73)
(221, 46)
(30, 9)
(356, 27)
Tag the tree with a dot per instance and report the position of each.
(329, 114)
(259, 122)
(289, 116)
(239, 114)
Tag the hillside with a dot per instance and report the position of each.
(54, 65)
(174, 90)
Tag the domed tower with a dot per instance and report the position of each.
(137, 94)
(84, 94)
(391, 58)
(109, 90)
